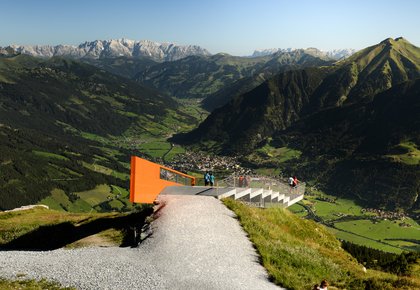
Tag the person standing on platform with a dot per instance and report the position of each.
(206, 178)
(212, 179)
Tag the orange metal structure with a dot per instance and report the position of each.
(148, 179)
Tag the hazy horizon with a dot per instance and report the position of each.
(234, 27)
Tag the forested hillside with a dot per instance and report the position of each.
(66, 125)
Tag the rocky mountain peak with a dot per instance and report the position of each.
(114, 48)
(335, 54)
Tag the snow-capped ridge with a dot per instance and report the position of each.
(335, 54)
(114, 48)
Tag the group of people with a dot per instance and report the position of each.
(209, 179)
(293, 181)
(323, 286)
(244, 181)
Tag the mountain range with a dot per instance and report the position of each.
(218, 77)
(114, 48)
(335, 54)
(339, 117)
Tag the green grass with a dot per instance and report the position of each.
(155, 148)
(105, 170)
(49, 155)
(299, 253)
(117, 198)
(55, 201)
(31, 285)
(359, 227)
(298, 210)
(16, 224)
(175, 150)
(95, 196)
(365, 241)
(268, 155)
(411, 155)
(268, 171)
(80, 205)
(41, 228)
(119, 190)
(331, 211)
(377, 235)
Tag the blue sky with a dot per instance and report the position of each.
(231, 26)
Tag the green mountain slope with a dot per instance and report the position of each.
(349, 134)
(248, 119)
(280, 62)
(367, 151)
(127, 67)
(289, 96)
(70, 126)
(198, 76)
(368, 72)
(219, 77)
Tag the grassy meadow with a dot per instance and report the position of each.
(349, 223)
(102, 198)
(299, 253)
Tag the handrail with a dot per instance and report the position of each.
(177, 172)
(262, 182)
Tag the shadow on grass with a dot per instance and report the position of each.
(51, 237)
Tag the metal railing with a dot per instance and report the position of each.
(264, 182)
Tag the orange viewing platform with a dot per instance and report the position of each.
(148, 179)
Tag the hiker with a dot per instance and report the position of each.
(290, 181)
(295, 181)
(241, 181)
(211, 179)
(247, 181)
(324, 285)
(206, 178)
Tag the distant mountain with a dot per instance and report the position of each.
(199, 76)
(270, 51)
(335, 54)
(340, 53)
(219, 77)
(279, 62)
(52, 115)
(7, 52)
(128, 67)
(356, 110)
(114, 48)
(285, 98)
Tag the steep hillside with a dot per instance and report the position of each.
(199, 76)
(248, 119)
(127, 67)
(278, 62)
(368, 151)
(299, 253)
(289, 96)
(368, 72)
(65, 125)
(349, 134)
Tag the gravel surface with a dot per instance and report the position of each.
(196, 244)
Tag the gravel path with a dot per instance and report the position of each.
(196, 244)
